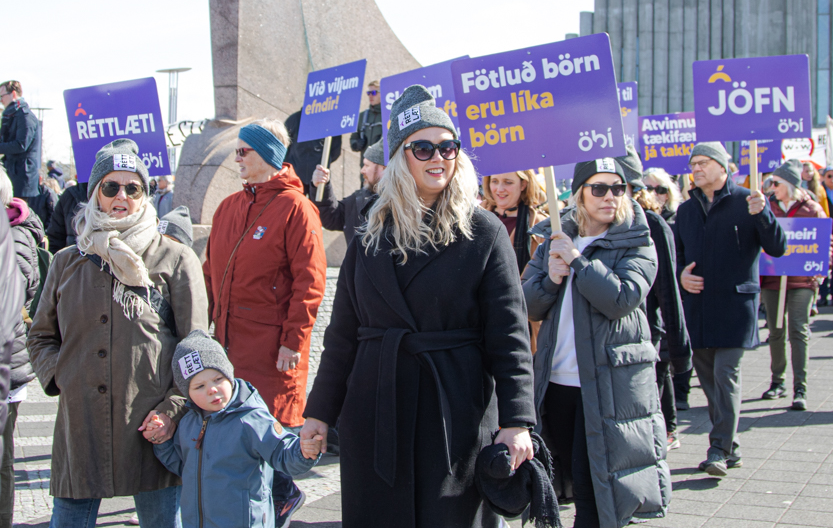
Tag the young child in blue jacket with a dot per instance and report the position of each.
(226, 446)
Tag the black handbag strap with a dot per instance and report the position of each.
(157, 300)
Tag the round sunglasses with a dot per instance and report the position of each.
(424, 150)
(659, 189)
(133, 190)
(600, 189)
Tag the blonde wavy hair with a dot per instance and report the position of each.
(624, 212)
(398, 214)
(675, 197)
(532, 196)
(647, 200)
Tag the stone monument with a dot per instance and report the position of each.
(262, 51)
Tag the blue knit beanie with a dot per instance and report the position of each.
(265, 143)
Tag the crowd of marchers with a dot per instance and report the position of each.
(476, 348)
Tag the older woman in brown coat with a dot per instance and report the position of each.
(98, 344)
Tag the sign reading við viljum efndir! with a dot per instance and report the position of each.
(666, 141)
(546, 105)
(808, 249)
(332, 100)
(754, 98)
(99, 115)
(436, 79)
(629, 106)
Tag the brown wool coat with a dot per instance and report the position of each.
(110, 372)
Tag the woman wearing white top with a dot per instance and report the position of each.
(595, 391)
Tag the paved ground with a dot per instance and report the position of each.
(786, 480)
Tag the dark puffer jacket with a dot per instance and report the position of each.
(20, 143)
(27, 232)
(61, 231)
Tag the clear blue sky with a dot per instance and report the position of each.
(53, 45)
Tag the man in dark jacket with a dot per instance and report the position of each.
(719, 235)
(20, 140)
(44, 203)
(61, 229)
(347, 214)
(305, 156)
(370, 123)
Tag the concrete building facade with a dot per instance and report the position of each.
(655, 42)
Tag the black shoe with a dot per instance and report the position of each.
(800, 400)
(776, 390)
(285, 509)
(733, 461)
(682, 405)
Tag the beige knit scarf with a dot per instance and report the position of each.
(120, 244)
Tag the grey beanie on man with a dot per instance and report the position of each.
(177, 224)
(376, 153)
(414, 110)
(790, 171)
(196, 353)
(584, 170)
(714, 150)
(120, 155)
(632, 167)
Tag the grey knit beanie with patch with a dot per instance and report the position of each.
(177, 224)
(376, 153)
(414, 110)
(714, 150)
(632, 167)
(120, 155)
(790, 171)
(196, 353)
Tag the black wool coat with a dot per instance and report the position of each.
(726, 244)
(421, 375)
(61, 228)
(343, 215)
(20, 143)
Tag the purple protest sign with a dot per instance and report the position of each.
(436, 78)
(332, 101)
(546, 105)
(666, 141)
(808, 249)
(629, 106)
(755, 98)
(100, 114)
(769, 156)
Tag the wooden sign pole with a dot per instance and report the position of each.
(754, 177)
(325, 162)
(552, 199)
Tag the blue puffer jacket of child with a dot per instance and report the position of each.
(228, 482)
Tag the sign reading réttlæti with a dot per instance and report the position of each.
(629, 106)
(754, 98)
(666, 141)
(546, 105)
(808, 249)
(436, 79)
(332, 101)
(101, 114)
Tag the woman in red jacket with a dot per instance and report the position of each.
(789, 200)
(265, 271)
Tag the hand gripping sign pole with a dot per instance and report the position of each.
(552, 200)
(325, 162)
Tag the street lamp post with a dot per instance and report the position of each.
(173, 81)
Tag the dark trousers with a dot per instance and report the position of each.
(666, 395)
(682, 385)
(564, 420)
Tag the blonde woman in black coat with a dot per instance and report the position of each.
(427, 353)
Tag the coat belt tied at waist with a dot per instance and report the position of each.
(395, 340)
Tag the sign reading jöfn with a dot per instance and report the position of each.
(754, 98)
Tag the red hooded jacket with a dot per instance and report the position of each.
(272, 288)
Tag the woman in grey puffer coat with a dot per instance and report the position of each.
(595, 386)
